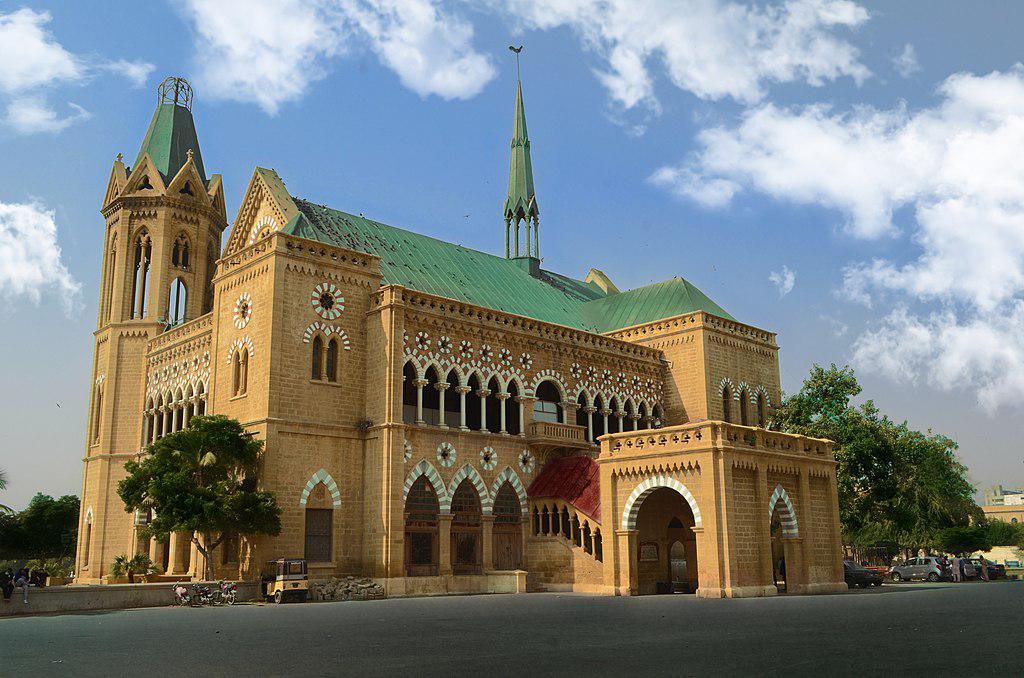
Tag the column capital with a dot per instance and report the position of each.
(483, 393)
(463, 390)
(503, 396)
(589, 409)
(420, 383)
(604, 411)
(442, 385)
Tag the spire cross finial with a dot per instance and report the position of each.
(517, 50)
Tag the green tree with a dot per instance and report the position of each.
(897, 486)
(202, 480)
(963, 541)
(1000, 533)
(45, 529)
(123, 566)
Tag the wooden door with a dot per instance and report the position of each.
(507, 550)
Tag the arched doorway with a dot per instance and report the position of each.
(508, 531)
(785, 535)
(466, 530)
(665, 520)
(421, 547)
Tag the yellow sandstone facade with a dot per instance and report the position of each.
(438, 418)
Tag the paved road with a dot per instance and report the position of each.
(968, 629)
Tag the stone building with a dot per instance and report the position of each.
(438, 418)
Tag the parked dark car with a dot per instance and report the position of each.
(994, 571)
(858, 575)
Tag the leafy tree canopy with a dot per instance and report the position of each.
(45, 529)
(897, 486)
(963, 541)
(202, 480)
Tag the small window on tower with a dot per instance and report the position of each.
(187, 189)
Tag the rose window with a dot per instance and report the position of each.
(406, 451)
(526, 360)
(527, 461)
(486, 353)
(488, 458)
(422, 340)
(243, 310)
(444, 345)
(575, 370)
(505, 356)
(446, 454)
(465, 349)
(327, 301)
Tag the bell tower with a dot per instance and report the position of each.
(163, 223)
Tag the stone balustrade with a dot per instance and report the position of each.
(706, 435)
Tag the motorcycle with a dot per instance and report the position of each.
(228, 592)
(181, 595)
(204, 595)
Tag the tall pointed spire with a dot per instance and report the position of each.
(172, 131)
(521, 203)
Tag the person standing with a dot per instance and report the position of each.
(984, 569)
(22, 581)
(956, 569)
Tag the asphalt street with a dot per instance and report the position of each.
(970, 629)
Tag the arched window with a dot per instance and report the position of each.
(409, 393)
(598, 547)
(318, 350)
(545, 521)
(566, 524)
(421, 511)
(144, 183)
(241, 374)
(187, 189)
(466, 529)
(628, 422)
(744, 400)
(1013, 520)
(319, 542)
(536, 521)
(494, 405)
(645, 420)
(201, 399)
(140, 278)
(473, 421)
(180, 252)
(512, 423)
(761, 413)
(87, 542)
(614, 421)
(507, 544)
(96, 413)
(211, 266)
(600, 418)
(581, 415)
(659, 417)
(332, 360)
(431, 398)
(588, 545)
(548, 405)
(108, 297)
(176, 302)
(726, 404)
(452, 401)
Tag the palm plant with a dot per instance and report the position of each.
(137, 564)
(3, 486)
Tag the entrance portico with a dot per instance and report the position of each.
(722, 484)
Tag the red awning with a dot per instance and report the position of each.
(574, 480)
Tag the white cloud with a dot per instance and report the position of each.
(712, 48)
(31, 115)
(33, 62)
(956, 169)
(30, 258)
(906, 63)
(784, 280)
(271, 52)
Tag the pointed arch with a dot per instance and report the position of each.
(324, 477)
(636, 499)
(507, 474)
(788, 515)
(467, 471)
(554, 378)
(426, 469)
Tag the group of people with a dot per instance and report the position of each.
(956, 566)
(9, 580)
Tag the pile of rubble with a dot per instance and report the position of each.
(348, 588)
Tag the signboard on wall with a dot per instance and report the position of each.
(649, 552)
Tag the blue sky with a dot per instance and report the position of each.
(845, 174)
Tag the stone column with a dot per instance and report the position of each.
(146, 423)
(444, 546)
(174, 543)
(503, 397)
(487, 542)
(627, 582)
(462, 391)
(419, 384)
(620, 415)
(483, 393)
(569, 412)
(764, 531)
(526, 408)
(604, 413)
(168, 419)
(636, 421)
(441, 387)
(590, 409)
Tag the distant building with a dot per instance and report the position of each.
(997, 495)
(1008, 514)
(439, 418)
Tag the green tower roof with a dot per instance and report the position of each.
(521, 202)
(171, 135)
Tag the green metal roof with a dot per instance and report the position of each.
(171, 134)
(437, 267)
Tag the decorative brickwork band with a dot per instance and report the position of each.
(787, 514)
(636, 499)
(324, 477)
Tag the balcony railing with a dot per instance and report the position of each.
(552, 434)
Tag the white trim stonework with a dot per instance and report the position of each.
(324, 477)
(787, 516)
(636, 499)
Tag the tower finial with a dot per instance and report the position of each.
(521, 203)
